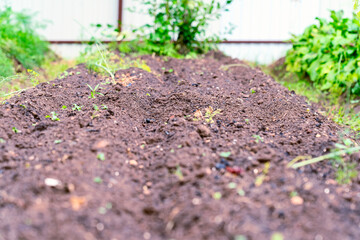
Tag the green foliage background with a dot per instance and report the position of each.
(19, 44)
(329, 54)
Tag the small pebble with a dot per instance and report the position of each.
(224, 161)
(133, 163)
(296, 200)
(203, 131)
(196, 201)
(100, 227)
(147, 235)
(308, 186)
(70, 187)
(319, 237)
(146, 190)
(52, 182)
(220, 166)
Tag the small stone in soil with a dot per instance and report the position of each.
(52, 182)
(133, 163)
(203, 131)
(220, 166)
(224, 161)
(149, 120)
(296, 200)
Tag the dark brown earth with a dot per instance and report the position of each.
(163, 176)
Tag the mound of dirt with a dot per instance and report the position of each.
(195, 151)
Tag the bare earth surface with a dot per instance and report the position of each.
(150, 163)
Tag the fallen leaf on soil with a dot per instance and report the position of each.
(198, 115)
(235, 170)
(77, 202)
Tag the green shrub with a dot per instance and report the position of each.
(178, 27)
(6, 64)
(329, 54)
(19, 44)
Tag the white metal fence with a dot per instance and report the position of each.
(254, 20)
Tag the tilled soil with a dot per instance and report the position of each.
(154, 161)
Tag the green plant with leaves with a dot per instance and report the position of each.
(211, 113)
(258, 138)
(94, 92)
(104, 61)
(178, 27)
(76, 107)
(356, 8)
(328, 53)
(15, 130)
(101, 156)
(179, 173)
(53, 116)
(19, 42)
(170, 70)
(101, 58)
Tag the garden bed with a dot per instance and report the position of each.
(196, 149)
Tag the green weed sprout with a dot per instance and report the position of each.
(53, 116)
(15, 130)
(210, 114)
(345, 171)
(101, 156)
(258, 138)
(93, 91)
(179, 173)
(76, 107)
(104, 66)
(324, 157)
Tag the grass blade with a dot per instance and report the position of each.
(327, 156)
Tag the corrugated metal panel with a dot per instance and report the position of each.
(277, 19)
(70, 19)
(273, 20)
(254, 20)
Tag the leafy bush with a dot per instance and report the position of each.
(178, 27)
(19, 44)
(329, 54)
